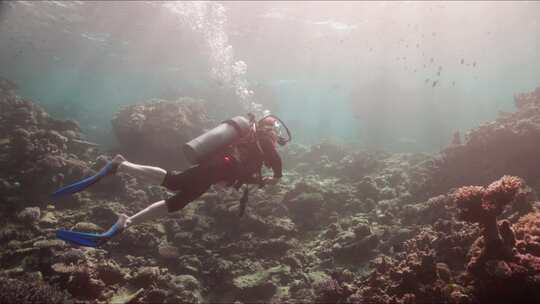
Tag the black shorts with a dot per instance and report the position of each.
(195, 181)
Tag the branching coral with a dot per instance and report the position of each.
(483, 204)
(527, 231)
(494, 260)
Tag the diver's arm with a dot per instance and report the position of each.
(272, 158)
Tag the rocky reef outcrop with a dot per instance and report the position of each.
(37, 152)
(153, 132)
(508, 145)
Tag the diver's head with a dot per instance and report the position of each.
(270, 126)
(274, 127)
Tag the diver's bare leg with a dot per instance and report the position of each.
(156, 210)
(153, 175)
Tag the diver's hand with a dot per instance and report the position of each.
(270, 180)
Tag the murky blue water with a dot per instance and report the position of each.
(396, 75)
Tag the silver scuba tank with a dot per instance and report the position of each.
(224, 134)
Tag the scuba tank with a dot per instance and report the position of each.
(224, 134)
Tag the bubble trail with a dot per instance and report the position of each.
(209, 19)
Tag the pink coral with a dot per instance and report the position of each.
(484, 204)
(528, 225)
(476, 202)
(501, 192)
(469, 201)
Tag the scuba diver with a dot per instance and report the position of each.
(231, 154)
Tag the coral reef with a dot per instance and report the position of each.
(37, 152)
(343, 226)
(483, 205)
(153, 132)
(506, 146)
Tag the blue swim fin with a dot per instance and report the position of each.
(85, 183)
(88, 239)
(79, 238)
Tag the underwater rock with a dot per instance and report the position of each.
(331, 291)
(145, 276)
(367, 189)
(48, 220)
(102, 216)
(350, 247)
(139, 238)
(37, 146)
(507, 146)
(187, 264)
(87, 227)
(29, 215)
(154, 132)
(110, 272)
(155, 295)
(257, 286)
(30, 291)
(306, 209)
(49, 244)
(187, 289)
(274, 247)
(168, 252)
(125, 296)
(80, 281)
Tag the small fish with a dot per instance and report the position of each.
(462, 60)
(453, 83)
(434, 83)
(474, 64)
